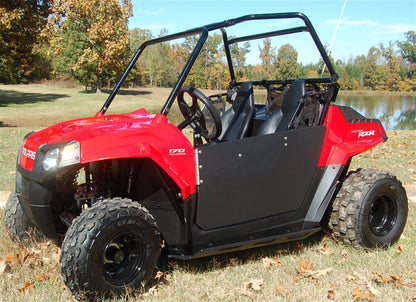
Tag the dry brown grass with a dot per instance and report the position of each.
(317, 269)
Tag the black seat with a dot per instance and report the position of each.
(236, 121)
(270, 125)
(280, 119)
(291, 103)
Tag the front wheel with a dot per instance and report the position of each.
(112, 246)
(18, 225)
(370, 209)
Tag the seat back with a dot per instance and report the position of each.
(270, 125)
(291, 103)
(236, 121)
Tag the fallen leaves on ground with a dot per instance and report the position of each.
(268, 263)
(44, 261)
(381, 278)
(298, 246)
(13, 260)
(26, 287)
(359, 294)
(400, 248)
(344, 255)
(251, 287)
(158, 276)
(280, 291)
(331, 292)
(326, 250)
(305, 270)
(365, 289)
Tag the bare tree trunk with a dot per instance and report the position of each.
(98, 86)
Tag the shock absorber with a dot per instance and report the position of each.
(101, 180)
(96, 186)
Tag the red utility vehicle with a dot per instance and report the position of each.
(117, 189)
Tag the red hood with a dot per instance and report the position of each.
(90, 132)
(84, 128)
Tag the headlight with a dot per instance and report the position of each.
(51, 159)
(63, 156)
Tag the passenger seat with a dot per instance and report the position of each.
(280, 119)
(236, 121)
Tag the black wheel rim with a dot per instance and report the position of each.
(122, 258)
(383, 215)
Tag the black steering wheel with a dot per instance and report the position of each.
(199, 118)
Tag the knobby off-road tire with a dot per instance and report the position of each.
(112, 246)
(370, 209)
(18, 225)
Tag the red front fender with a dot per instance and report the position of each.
(160, 141)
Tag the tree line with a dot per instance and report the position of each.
(89, 41)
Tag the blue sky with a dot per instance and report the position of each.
(365, 23)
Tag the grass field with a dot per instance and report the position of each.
(317, 269)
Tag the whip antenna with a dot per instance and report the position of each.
(333, 37)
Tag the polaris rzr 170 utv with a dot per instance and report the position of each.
(117, 189)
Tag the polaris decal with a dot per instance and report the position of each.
(180, 151)
(366, 133)
(29, 153)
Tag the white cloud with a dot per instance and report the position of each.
(376, 26)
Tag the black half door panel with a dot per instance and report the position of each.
(256, 177)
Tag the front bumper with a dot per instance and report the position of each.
(36, 202)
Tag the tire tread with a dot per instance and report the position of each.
(82, 234)
(344, 219)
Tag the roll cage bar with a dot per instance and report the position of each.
(204, 31)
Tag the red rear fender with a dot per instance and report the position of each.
(348, 133)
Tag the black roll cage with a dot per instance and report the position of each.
(204, 30)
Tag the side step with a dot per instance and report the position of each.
(238, 246)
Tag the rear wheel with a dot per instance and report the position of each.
(18, 225)
(112, 246)
(370, 209)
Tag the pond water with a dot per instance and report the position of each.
(395, 112)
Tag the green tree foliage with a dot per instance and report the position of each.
(267, 57)
(408, 47)
(309, 70)
(91, 38)
(160, 65)
(373, 72)
(238, 54)
(408, 52)
(21, 22)
(351, 76)
(137, 75)
(286, 63)
(392, 69)
(209, 69)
